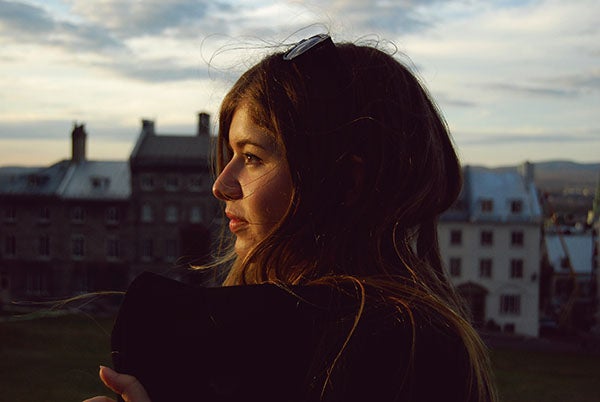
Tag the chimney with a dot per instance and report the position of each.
(203, 124)
(78, 139)
(527, 172)
(148, 126)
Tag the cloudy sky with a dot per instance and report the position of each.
(516, 80)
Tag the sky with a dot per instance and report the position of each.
(515, 80)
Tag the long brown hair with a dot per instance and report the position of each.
(368, 189)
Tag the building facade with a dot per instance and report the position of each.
(172, 199)
(79, 225)
(490, 242)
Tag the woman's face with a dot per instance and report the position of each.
(255, 184)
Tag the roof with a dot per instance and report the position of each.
(579, 247)
(98, 180)
(500, 190)
(37, 181)
(171, 150)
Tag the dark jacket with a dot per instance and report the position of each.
(266, 343)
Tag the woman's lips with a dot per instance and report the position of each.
(235, 222)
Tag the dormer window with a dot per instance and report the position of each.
(99, 182)
(516, 206)
(487, 205)
(37, 180)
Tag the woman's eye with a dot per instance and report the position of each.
(251, 159)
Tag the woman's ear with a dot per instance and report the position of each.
(356, 175)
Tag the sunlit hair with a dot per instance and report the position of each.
(367, 191)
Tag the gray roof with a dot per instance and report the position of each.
(502, 188)
(98, 180)
(579, 247)
(171, 150)
(38, 181)
(94, 180)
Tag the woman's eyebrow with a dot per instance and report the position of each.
(264, 142)
(243, 142)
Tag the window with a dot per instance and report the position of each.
(487, 205)
(44, 246)
(171, 214)
(10, 214)
(147, 249)
(510, 304)
(516, 268)
(516, 238)
(112, 248)
(36, 180)
(456, 237)
(112, 215)
(77, 246)
(171, 250)
(44, 214)
(195, 183)
(196, 214)
(455, 266)
(83, 281)
(516, 206)
(78, 215)
(172, 183)
(147, 182)
(485, 268)
(10, 246)
(99, 183)
(4, 280)
(36, 283)
(487, 238)
(147, 214)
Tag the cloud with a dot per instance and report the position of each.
(60, 130)
(559, 86)
(532, 90)
(131, 19)
(20, 22)
(154, 71)
(590, 136)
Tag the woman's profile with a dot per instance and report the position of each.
(333, 166)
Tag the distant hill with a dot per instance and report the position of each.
(581, 178)
(562, 176)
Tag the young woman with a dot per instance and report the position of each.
(334, 165)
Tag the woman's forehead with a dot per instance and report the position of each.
(245, 129)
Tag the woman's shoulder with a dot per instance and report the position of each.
(402, 354)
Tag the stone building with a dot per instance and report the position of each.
(81, 225)
(171, 198)
(490, 242)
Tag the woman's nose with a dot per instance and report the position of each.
(226, 186)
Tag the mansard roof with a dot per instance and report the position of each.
(495, 196)
(32, 181)
(67, 180)
(97, 180)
